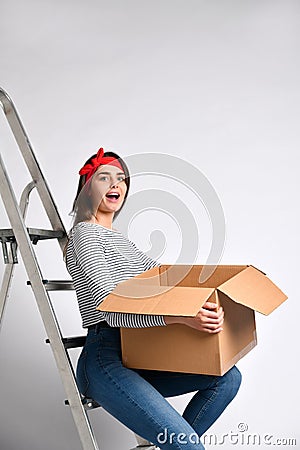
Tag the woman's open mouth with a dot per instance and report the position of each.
(113, 197)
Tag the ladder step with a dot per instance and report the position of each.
(74, 342)
(7, 237)
(145, 447)
(71, 342)
(88, 403)
(57, 285)
(36, 234)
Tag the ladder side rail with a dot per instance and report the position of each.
(9, 268)
(46, 311)
(25, 147)
(62, 360)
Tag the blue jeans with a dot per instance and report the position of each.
(137, 397)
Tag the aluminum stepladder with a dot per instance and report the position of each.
(22, 238)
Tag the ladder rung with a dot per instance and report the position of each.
(7, 237)
(88, 403)
(57, 285)
(74, 342)
(145, 447)
(71, 342)
(36, 234)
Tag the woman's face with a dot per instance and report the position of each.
(108, 188)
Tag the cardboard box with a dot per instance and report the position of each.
(181, 290)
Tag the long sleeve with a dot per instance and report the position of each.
(133, 320)
(91, 260)
(147, 261)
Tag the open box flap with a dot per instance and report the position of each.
(169, 301)
(252, 288)
(151, 276)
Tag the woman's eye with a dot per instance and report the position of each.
(105, 178)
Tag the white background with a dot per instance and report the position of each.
(212, 82)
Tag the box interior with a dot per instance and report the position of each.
(189, 276)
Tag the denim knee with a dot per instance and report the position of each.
(81, 374)
(232, 381)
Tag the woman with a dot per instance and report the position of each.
(98, 257)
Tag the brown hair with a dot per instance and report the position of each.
(82, 205)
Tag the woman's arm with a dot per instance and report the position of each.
(128, 320)
(207, 319)
(89, 255)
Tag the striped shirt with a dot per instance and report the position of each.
(97, 259)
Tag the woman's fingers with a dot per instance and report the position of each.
(208, 330)
(211, 315)
(210, 323)
(210, 305)
(210, 318)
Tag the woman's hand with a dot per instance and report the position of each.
(207, 319)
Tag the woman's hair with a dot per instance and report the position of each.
(83, 203)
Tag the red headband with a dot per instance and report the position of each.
(90, 169)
